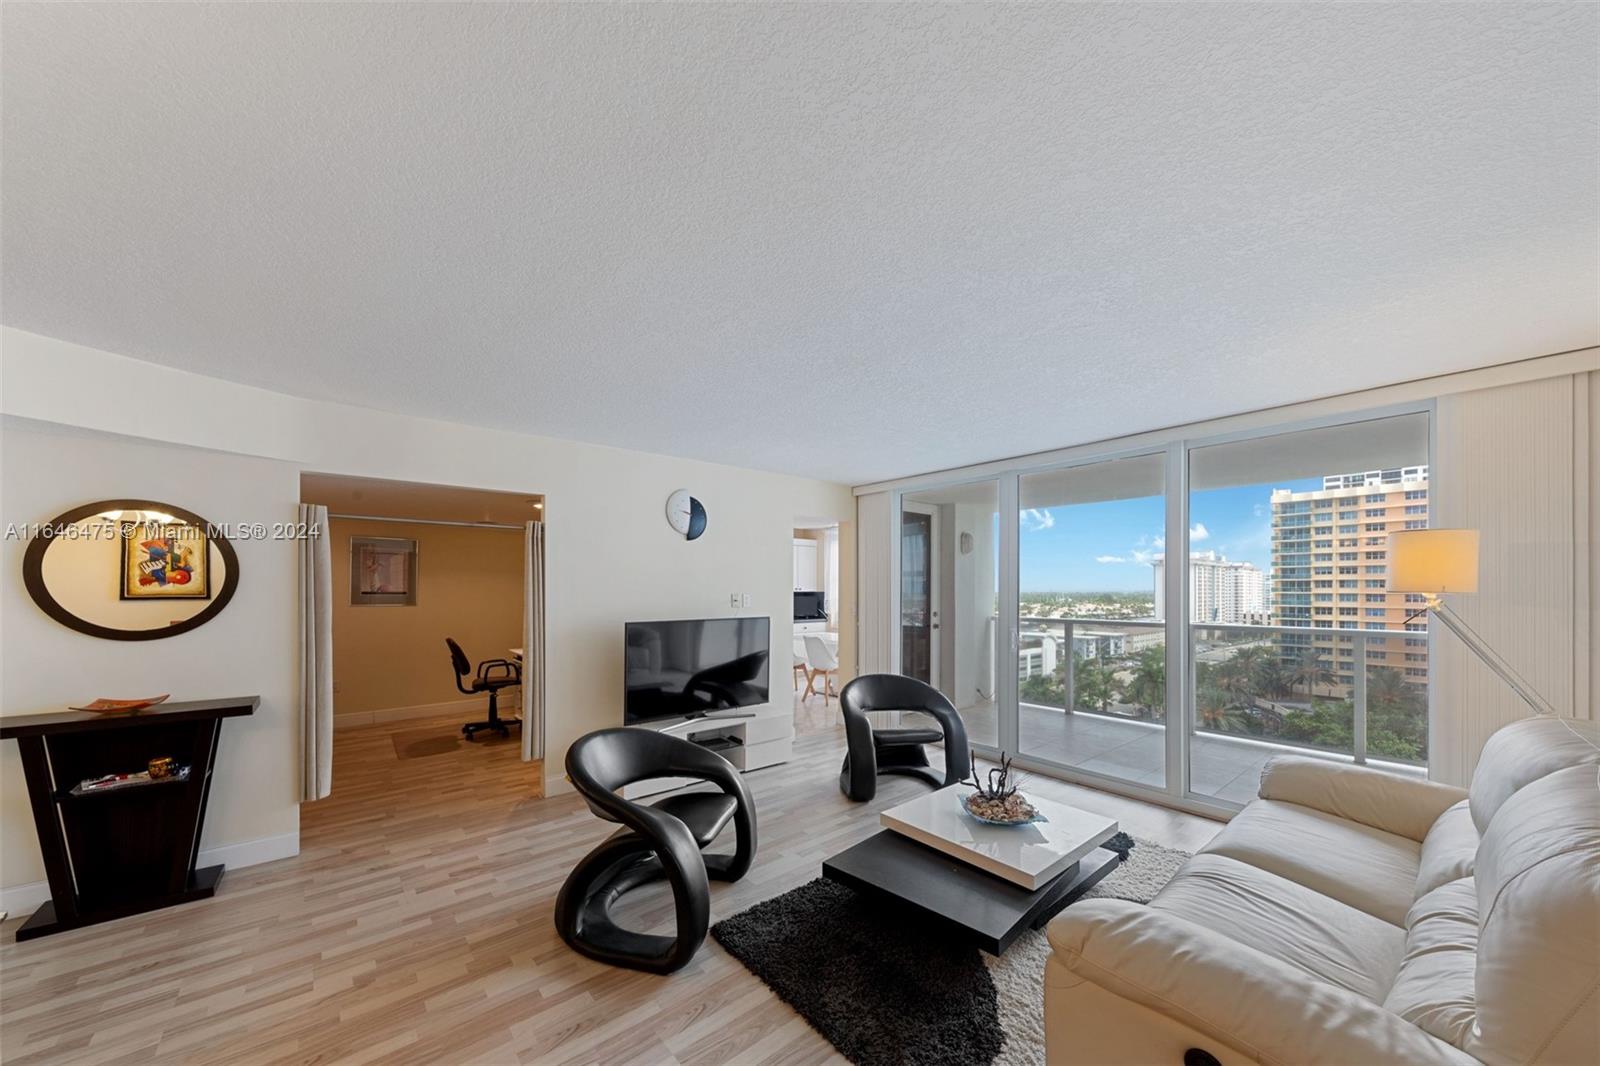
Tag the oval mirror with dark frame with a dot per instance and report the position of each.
(130, 569)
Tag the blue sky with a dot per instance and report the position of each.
(1107, 547)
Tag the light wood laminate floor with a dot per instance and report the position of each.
(415, 926)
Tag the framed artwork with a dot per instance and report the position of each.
(383, 572)
(164, 561)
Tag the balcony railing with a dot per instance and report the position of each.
(1308, 687)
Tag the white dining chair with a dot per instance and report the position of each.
(801, 672)
(821, 660)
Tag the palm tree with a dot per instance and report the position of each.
(1312, 670)
(1248, 657)
(1211, 707)
(1149, 685)
(1387, 687)
(1236, 679)
(1274, 679)
(1093, 683)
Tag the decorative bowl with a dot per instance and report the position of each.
(109, 706)
(1036, 816)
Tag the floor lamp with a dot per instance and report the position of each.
(1433, 562)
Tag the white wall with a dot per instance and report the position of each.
(1517, 463)
(875, 562)
(975, 604)
(610, 553)
(246, 650)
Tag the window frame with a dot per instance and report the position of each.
(1177, 449)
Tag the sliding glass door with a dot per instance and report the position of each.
(949, 581)
(1166, 621)
(1091, 661)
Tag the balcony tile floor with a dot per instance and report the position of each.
(1223, 768)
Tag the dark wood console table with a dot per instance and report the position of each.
(123, 851)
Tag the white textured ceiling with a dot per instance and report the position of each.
(837, 240)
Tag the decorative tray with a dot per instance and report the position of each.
(1034, 817)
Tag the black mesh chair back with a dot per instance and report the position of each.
(458, 658)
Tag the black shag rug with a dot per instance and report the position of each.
(888, 988)
(858, 971)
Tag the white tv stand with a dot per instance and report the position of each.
(765, 738)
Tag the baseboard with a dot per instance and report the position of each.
(252, 852)
(26, 898)
(467, 709)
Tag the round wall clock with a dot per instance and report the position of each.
(686, 515)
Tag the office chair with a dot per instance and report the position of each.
(492, 676)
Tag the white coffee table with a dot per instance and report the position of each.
(1027, 855)
(990, 882)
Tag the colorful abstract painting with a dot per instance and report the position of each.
(164, 561)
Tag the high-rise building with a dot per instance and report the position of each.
(1220, 590)
(1330, 550)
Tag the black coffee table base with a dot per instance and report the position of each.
(991, 911)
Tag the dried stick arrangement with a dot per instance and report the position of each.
(997, 797)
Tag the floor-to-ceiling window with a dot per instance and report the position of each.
(1091, 661)
(1296, 642)
(1170, 619)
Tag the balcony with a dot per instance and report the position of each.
(1259, 690)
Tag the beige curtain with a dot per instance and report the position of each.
(533, 643)
(316, 653)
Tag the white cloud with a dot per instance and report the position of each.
(1198, 532)
(1034, 519)
(1109, 559)
(1143, 557)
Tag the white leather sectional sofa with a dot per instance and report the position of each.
(1351, 916)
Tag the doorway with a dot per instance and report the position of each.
(818, 617)
(417, 568)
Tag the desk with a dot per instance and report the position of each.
(516, 653)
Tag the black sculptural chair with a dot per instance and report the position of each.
(870, 752)
(663, 839)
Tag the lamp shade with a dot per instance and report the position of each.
(1433, 560)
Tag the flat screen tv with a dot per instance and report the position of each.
(810, 607)
(690, 668)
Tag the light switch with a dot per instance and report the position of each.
(733, 599)
(744, 600)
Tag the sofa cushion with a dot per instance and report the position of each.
(1449, 850)
(1538, 885)
(1239, 1004)
(1434, 987)
(1357, 865)
(1402, 804)
(1525, 751)
(1282, 918)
